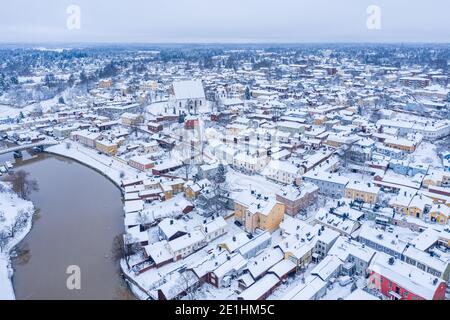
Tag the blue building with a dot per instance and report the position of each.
(407, 168)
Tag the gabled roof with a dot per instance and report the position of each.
(191, 89)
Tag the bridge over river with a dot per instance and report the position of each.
(19, 148)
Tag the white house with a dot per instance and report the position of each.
(281, 171)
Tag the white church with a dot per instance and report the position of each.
(187, 96)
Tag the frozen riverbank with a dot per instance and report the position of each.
(15, 222)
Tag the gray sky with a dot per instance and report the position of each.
(224, 21)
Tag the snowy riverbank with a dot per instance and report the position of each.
(106, 165)
(15, 222)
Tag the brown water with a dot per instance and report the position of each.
(79, 215)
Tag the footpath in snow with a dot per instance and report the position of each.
(15, 222)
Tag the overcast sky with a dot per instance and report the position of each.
(224, 21)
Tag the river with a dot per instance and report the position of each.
(79, 213)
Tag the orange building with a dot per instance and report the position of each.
(257, 211)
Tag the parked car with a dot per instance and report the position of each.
(238, 223)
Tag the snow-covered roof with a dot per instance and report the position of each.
(426, 239)
(190, 89)
(307, 290)
(233, 263)
(283, 267)
(256, 242)
(176, 283)
(293, 193)
(359, 294)
(264, 262)
(364, 187)
(345, 247)
(171, 226)
(259, 288)
(405, 275)
(215, 225)
(327, 235)
(426, 259)
(387, 240)
(142, 160)
(328, 266)
(186, 241)
(158, 251)
(326, 176)
(133, 206)
(235, 242)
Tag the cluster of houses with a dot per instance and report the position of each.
(275, 180)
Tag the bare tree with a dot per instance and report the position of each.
(186, 286)
(142, 219)
(117, 247)
(19, 223)
(4, 239)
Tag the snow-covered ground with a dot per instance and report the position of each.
(241, 181)
(426, 153)
(11, 207)
(46, 105)
(109, 166)
(7, 111)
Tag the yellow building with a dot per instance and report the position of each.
(418, 205)
(401, 144)
(301, 254)
(177, 185)
(256, 211)
(362, 192)
(131, 118)
(107, 147)
(193, 189)
(401, 202)
(440, 213)
(172, 187)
